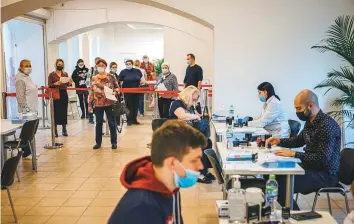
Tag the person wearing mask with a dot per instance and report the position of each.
(92, 73)
(153, 182)
(149, 68)
(321, 137)
(79, 77)
(273, 118)
(26, 94)
(103, 105)
(113, 70)
(184, 109)
(131, 78)
(194, 73)
(141, 96)
(169, 81)
(61, 104)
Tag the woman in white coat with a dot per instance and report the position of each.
(273, 118)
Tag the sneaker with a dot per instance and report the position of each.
(129, 124)
(136, 123)
(141, 115)
(96, 146)
(91, 122)
(210, 176)
(83, 116)
(114, 146)
(30, 157)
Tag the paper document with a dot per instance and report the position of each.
(108, 92)
(161, 87)
(64, 79)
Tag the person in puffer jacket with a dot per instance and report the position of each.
(350, 218)
(153, 182)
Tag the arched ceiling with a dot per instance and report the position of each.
(15, 8)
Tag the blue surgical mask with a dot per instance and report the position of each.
(189, 62)
(113, 70)
(129, 67)
(262, 98)
(189, 180)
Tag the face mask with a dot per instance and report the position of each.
(165, 70)
(262, 98)
(146, 60)
(27, 71)
(60, 68)
(189, 62)
(189, 180)
(304, 115)
(113, 70)
(129, 67)
(100, 69)
(81, 66)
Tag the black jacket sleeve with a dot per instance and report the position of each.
(141, 214)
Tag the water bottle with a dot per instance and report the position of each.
(237, 202)
(232, 112)
(229, 137)
(272, 193)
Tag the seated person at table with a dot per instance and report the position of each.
(184, 109)
(321, 137)
(273, 118)
(153, 182)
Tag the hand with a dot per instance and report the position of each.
(57, 83)
(285, 153)
(70, 81)
(155, 87)
(273, 141)
(90, 109)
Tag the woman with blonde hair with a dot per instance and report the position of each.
(184, 109)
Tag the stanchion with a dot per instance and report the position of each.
(205, 98)
(44, 126)
(53, 145)
(4, 105)
(156, 105)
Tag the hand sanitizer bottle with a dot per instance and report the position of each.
(237, 203)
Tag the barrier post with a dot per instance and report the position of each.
(205, 98)
(44, 126)
(156, 105)
(4, 105)
(53, 145)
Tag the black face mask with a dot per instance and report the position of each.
(60, 68)
(304, 115)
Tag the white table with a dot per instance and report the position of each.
(220, 128)
(326, 219)
(249, 168)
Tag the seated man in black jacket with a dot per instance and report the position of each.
(321, 137)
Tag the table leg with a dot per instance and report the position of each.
(34, 154)
(224, 190)
(3, 151)
(289, 191)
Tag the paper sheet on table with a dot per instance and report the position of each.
(237, 166)
(271, 157)
(64, 79)
(108, 92)
(161, 87)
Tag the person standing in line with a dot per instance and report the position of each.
(194, 73)
(149, 68)
(26, 94)
(103, 105)
(141, 96)
(61, 104)
(113, 70)
(169, 81)
(79, 77)
(131, 78)
(92, 73)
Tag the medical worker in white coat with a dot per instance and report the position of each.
(273, 118)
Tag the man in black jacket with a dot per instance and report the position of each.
(79, 77)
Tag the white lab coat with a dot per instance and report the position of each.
(31, 93)
(273, 119)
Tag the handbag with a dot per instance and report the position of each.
(55, 93)
(120, 108)
(204, 124)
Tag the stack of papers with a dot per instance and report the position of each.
(64, 79)
(108, 92)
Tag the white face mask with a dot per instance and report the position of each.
(27, 71)
(100, 69)
(81, 66)
(146, 60)
(165, 71)
(129, 67)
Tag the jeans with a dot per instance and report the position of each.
(141, 104)
(83, 100)
(164, 107)
(99, 112)
(132, 101)
(308, 183)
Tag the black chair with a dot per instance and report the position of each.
(246, 181)
(28, 131)
(295, 127)
(8, 177)
(346, 176)
(156, 123)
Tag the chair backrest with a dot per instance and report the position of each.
(294, 127)
(213, 159)
(28, 130)
(346, 171)
(9, 170)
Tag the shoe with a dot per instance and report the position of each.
(141, 115)
(83, 116)
(114, 146)
(96, 146)
(205, 180)
(129, 124)
(91, 122)
(210, 176)
(30, 157)
(136, 123)
(64, 132)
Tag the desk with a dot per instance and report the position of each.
(326, 218)
(220, 128)
(7, 127)
(248, 168)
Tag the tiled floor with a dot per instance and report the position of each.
(78, 185)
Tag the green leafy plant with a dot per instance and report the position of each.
(158, 63)
(340, 40)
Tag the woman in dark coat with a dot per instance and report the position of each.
(79, 77)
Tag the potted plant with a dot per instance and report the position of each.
(340, 40)
(158, 63)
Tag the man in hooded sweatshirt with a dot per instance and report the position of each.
(153, 182)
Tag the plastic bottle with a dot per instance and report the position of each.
(229, 137)
(272, 193)
(232, 112)
(237, 202)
